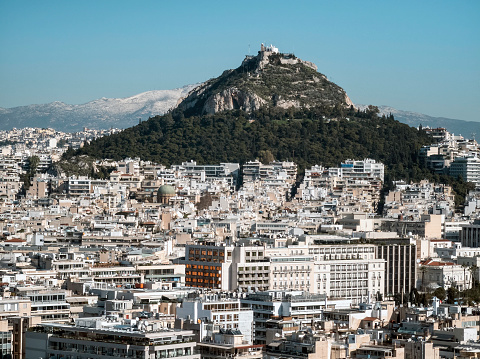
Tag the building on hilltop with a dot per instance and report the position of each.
(270, 48)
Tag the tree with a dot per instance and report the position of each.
(473, 270)
(398, 299)
(33, 162)
(61, 143)
(452, 294)
(265, 156)
(440, 293)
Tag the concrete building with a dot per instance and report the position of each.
(208, 266)
(350, 271)
(107, 338)
(470, 235)
(229, 344)
(212, 312)
(400, 265)
(467, 167)
(279, 312)
(430, 226)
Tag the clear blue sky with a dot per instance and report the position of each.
(422, 56)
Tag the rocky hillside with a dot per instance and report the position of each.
(270, 79)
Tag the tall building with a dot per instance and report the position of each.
(226, 267)
(347, 270)
(208, 266)
(400, 265)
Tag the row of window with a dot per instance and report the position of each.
(200, 266)
(353, 249)
(254, 268)
(225, 317)
(205, 274)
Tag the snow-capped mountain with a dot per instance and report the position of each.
(103, 113)
(467, 129)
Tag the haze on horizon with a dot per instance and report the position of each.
(422, 57)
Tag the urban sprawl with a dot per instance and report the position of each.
(235, 261)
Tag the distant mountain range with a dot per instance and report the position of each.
(467, 129)
(122, 113)
(103, 113)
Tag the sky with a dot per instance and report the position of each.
(421, 56)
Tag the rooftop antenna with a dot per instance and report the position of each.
(248, 49)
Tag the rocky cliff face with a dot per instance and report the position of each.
(268, 79)
(233, 98)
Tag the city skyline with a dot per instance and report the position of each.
(410, 56)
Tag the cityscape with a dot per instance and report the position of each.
(254, 180)
(226, 260)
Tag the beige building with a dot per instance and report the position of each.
(430, 226)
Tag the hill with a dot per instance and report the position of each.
(306, 136)
(270, 79)
(272, 106)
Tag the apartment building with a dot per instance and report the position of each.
(212, 312)
(279, 312)
(208, 266)
(169, 273)
(107, 338)
(49, 305)
(350, 271)
(255, 170)
(229, 344)
(468, 167)
(78, 186)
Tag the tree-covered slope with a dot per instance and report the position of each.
(324, 136)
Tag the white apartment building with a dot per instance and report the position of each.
(108, 338)
(348, 271)
(364, 169)
(468, 167)
(255, 170)
(79, 186)
(215, 311)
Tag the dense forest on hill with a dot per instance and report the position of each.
(306, 136)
